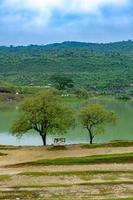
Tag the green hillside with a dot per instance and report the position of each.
(98, 67)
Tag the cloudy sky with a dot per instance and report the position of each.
(24, 22)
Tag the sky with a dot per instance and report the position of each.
(24, 22)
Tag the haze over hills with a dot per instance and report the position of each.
(105, 67)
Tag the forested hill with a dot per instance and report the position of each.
(100, 66)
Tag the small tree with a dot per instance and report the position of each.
(94, 117)
(81, 93)
(44, 114)
(62, 82)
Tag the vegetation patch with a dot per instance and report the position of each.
(84, 173)
(130, 198)
(18, 195)
(88, 64)
(4, 178)
(111, 144)
(41, 186)
(3, 154)
(96, 159)
(107, 183)
(78, 184)
(6, 147)
(57, 148)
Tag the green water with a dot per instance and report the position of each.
(123, 130)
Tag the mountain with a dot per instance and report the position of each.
(105, 67)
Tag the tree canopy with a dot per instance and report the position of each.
(94, 117)
(62, 82)
(45, 114)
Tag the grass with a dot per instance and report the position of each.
(110, 178)
(130, 198)
(107, 183)
(117, 143)
(96, 159)
(41, 186)
(63, 173)
(63, 191)
(4, 178)
(35, 195)
(8, 147)
(57, 148)
(3, 154)
(11, 195)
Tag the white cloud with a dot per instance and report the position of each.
(44, 8)
(74, 5)
(92, 6)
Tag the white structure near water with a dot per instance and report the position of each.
(59, 141)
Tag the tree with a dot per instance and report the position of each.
(44, 114)
(94, 117)
(62, 82)
(81, 93)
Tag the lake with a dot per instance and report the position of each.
(123, 130)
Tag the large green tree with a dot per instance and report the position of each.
(94, 118)
(45, 114)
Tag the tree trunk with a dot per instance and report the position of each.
(91, 136)
(91, 139)
(44, 139)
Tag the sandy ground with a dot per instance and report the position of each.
(27, 154)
